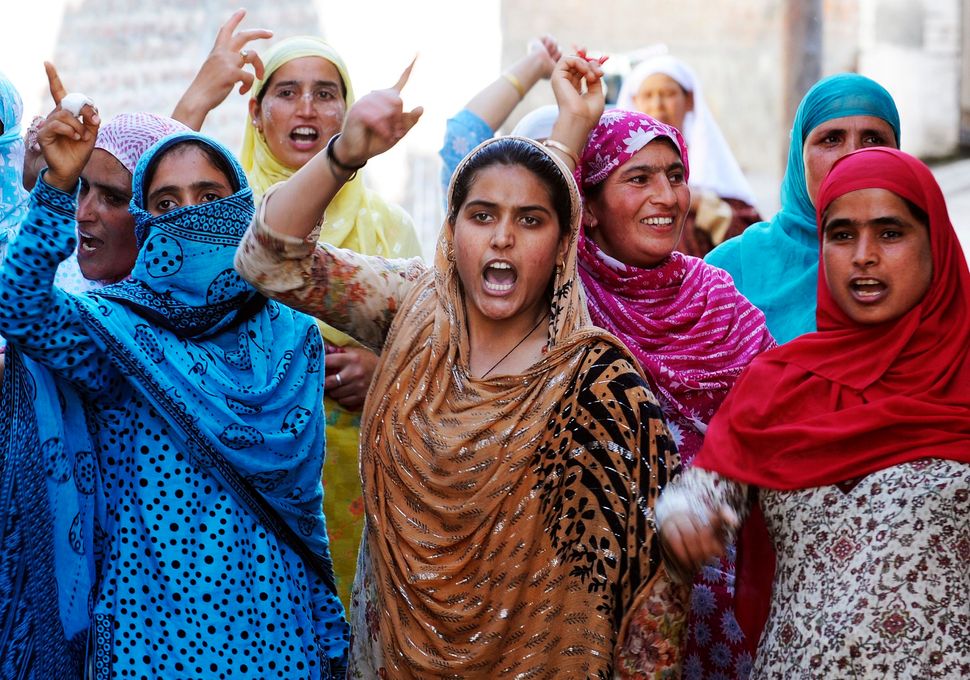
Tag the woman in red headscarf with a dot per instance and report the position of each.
(855, 442)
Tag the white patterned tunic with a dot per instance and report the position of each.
(872, 579)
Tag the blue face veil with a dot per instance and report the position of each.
(775, 263)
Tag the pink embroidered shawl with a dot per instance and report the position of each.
(684, 320)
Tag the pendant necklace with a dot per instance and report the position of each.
(506, 356)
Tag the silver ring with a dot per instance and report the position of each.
(244, 54)
(339, 379)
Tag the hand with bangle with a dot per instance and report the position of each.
(577, 84)
(337, 164)
(374, 124)
(538, 64)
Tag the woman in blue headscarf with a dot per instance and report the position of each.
(201, 402)
(13, 197)
(775, 263)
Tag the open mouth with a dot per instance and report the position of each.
(499, 277)
(88, 244)
(662, 223)
(867, 290)
(304, 136)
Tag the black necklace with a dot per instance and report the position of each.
(506, 356)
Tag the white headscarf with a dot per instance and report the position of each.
(537, 124)
(712, 165)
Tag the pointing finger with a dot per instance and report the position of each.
(56, 87)
(243, 37)
(402, 81)
(227, 29)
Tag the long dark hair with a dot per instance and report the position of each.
(512, 151)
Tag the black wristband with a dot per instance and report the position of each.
(332, 157)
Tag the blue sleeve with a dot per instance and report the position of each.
(41, 320)
(463, 132)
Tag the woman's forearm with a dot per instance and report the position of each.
(497, 100)
(354, 293)
(294, 209)
(35, 315)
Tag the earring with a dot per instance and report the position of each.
(561, 267)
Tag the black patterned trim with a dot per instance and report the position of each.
(185, 321)
(54, 199)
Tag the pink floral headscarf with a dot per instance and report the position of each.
(684, 320)
(128, 135)
(617, 138)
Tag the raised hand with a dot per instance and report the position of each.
(578, 86)
(225, 66)
(545, 50)
(375, 123)
(66, 141)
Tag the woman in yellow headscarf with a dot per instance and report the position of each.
(294, 111)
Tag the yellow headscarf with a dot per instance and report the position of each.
(357, 218)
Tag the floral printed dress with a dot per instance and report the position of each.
(872, 577)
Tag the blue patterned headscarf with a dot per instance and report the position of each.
(186, 247)
(13, 196)
(238, 377)
(775, 263)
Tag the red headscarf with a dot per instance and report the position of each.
(850, 399)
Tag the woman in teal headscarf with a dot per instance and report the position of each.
(775, 263)
(13, 197)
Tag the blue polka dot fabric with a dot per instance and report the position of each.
(207, 446)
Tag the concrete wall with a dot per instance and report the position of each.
(735, 48)
(142, 58)
(913, 47)
(756, 58)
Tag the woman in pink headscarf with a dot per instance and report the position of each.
(684, 320)
(106, 246)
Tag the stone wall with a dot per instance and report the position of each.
(735, 48)
(131, 57)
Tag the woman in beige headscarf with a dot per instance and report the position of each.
(511, 451)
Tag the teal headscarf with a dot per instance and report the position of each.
(13, 197)
(775, 263)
